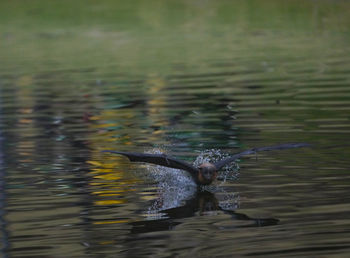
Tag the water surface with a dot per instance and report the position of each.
(194, 79)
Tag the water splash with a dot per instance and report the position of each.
(230, 200)
(229, 172)
(175, 186)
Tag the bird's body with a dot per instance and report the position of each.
(205, 173)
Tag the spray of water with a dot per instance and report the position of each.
(175, 186)
(229, 172)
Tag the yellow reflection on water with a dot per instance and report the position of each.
(109, 202)
(157, 102)
(109, 181)
(25, 122)
(110, 178)
(111, 222)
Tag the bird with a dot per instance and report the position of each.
(205, 173)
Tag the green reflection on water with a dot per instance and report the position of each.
(163, 36)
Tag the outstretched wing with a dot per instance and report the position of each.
(224, 162)
(158, 159)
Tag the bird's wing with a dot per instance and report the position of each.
(224, 162)
(158, 159)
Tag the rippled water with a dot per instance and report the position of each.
(200, 80)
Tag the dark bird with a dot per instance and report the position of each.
(205, 173)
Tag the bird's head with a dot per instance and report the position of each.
(207, 173)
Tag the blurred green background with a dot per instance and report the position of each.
(154, 36)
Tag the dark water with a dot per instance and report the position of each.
(199, 80)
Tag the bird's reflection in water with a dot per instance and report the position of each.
(203, 203)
